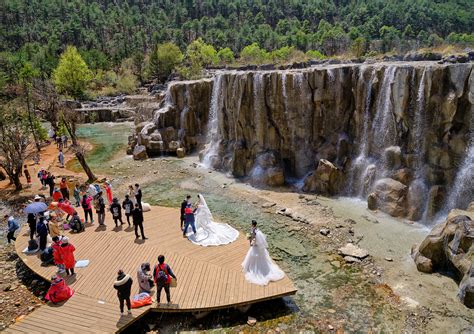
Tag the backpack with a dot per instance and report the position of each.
(161, 274)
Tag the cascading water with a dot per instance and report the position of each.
(259, 105)
(462, 191)
(384, 132)
(182, 116)
(213, 140)
(418, 190)
(360, 168)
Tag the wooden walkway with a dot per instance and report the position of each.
(209, 278)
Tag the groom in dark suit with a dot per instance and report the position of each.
(184, 204)
(189, 219)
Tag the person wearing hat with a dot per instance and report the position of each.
(67, 255)
(123, 285)
(108, 192)
(53, 226)
(12, 227)
(116, 211)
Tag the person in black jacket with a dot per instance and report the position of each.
(138, 194)
(42, 231)
(137, 216)
(123, 285)
(100, 208)
(50, 182)
(184, 204)
(32, 225)
(116, 210)
(127, 206)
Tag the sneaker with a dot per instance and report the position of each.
(145, 238)
(129, 312)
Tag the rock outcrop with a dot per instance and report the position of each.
(389, 196)
(449, 248)
(410, 122)
(326, 179)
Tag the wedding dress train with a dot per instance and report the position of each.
(258, 266)
(209, 233)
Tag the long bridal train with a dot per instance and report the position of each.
(208, 232)
(258, 266)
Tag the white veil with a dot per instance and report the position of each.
(204, 211)
(260, 240)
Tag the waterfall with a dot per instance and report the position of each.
(462, 191)
(331, 75)
(383, 127)
(213, 140)
(360, 168)
(283, 89)
(165, 106)
(259, 106)
(183, 114)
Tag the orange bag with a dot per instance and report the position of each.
(141, 299)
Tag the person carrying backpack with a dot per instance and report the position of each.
(127, 206)
(12, 227)
(162, 275)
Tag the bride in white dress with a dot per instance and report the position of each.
(258, 266)
(209, 233)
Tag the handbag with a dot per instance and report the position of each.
(174, 283)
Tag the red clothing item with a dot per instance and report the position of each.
(63, 185)
(57, 252)
(59, 291)
(67, 207)
(57, 196)
(87, 202)
(108, 191)
(67, 254)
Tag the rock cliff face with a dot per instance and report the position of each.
(398, 133)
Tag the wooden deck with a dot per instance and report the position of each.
(209, 278)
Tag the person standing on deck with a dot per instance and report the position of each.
(67, 255)
(31, 220)
(137, 216)
(184, 204)
(42, 231)
(162, 274)
(138, 195)
(86, 205)
(123, 285)
(100, 208)
(127, 206)
(116, 211)
(77, 195)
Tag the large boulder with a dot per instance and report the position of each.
(139, 153)
(393, 157)
(390, 197)
(449, 248)
(326, 179)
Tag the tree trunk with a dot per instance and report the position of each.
(28, 107)
(80, 157)
(17, 182)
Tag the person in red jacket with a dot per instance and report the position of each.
(58, 291)
(57, 195)
(58, 260)
(67, 207)
(67, 255)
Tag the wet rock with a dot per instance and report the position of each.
(353, 251)
(390, 197)
(450, 245)
(326, 179)
(372, 201)
(180, 152)
(139, 153)
(393, 157)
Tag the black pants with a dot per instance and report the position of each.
(51, 188)
(32, 231)
(118, 219)
(11, 236)
(139, 201)
(182, 221)
(122, 301)
(43, 241)
(65, 193)
(86, 213)
(141, 230)
(167, 291)
(128, 218)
